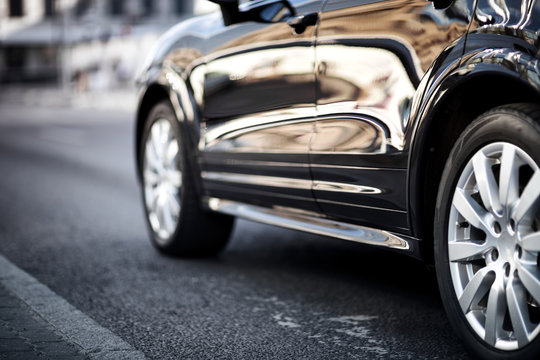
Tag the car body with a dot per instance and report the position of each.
(338, 117)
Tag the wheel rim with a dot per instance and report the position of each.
(162, 179)
(493, 245)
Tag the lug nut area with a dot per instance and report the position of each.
(506, 268)
(494, 255)
(497, 227)
(519, 251)
(512, 224)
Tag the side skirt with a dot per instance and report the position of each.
(308, 222)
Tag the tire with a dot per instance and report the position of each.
(487, 234)
(176, 222)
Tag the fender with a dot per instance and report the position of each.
(165, 73)
(434, 84)
(173, 84)
(499, 60)
(502, 69)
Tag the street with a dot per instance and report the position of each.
(71, 216)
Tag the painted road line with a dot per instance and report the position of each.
(72, 324)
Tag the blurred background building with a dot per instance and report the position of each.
(83, 44)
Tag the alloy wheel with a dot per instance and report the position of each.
(493, 245)
(162, 177)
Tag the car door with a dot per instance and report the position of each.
(259, 109)
(371, 55)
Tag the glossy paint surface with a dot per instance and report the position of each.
(505, 38)
(498, 57)
(334, 120)
(371, 56)
(259, 108)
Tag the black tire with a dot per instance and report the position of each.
(518, 125)
(197, 232)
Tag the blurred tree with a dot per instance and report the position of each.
(116, 7)
(50, 8)
(16, 8)
(180, 6)
(82, 7)
(148, 7)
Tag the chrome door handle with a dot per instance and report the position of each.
(301, 22)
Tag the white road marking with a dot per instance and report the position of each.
(353, 320)
(353, 331)
(285, 321)
(72, 324)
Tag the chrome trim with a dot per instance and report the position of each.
(347, 188)
(352, 167)
(284, 182)
(261, 180)
(311, 224)
(244, 162)
(292, 164)
(360, 206)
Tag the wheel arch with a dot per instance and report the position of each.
(456, 105)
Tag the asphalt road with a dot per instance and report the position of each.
(71, 216)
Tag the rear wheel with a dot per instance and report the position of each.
(177, 223)
(487, 234)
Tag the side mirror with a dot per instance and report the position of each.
(229, 10)
(441, 4)
(269, 12)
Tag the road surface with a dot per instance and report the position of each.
(71, 217)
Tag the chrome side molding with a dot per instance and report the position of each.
(303, 221)
(283, 182)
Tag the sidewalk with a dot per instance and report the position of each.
(36, 323)
(50, 96)
(25, 335)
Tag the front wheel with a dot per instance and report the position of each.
(177, 223)
(487, 234)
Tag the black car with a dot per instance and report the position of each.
(404, 124)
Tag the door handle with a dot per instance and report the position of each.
(301, 22)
